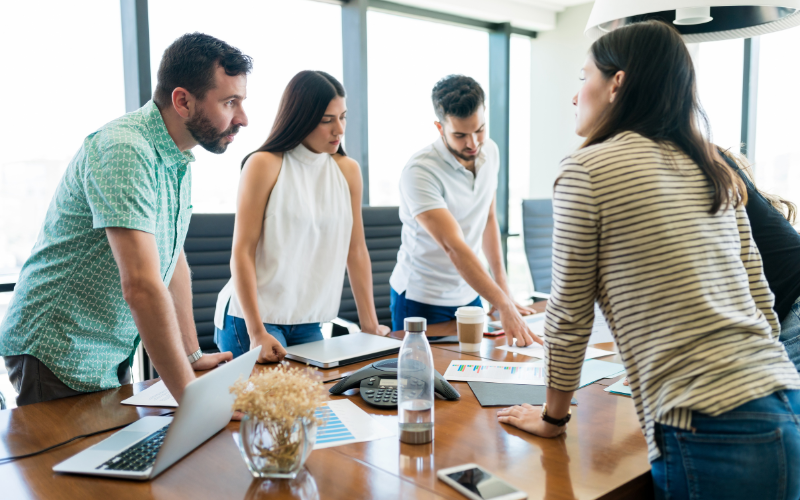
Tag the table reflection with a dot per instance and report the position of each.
(555, 462)
(303, 487)
(416, 458)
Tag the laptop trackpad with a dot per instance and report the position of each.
(120, 440)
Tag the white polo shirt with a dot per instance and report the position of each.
(433, 178)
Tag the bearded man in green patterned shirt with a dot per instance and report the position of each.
(108, 266)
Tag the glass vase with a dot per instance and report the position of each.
(274, 449)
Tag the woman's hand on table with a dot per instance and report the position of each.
(529, 419)
(271, 349)
(380, 330)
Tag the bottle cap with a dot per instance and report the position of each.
(416, 324)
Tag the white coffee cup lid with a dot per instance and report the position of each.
(470, 312)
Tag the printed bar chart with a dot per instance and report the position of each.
(333, 430)
(498, 372)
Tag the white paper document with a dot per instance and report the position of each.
(537, 351)
(155, 395)
(594, 370)
(619, 388)
(495, 371)
(346, 423)
(600, 330)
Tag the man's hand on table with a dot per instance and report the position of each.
(516, 328)
(209, 361)
(529, 419)
(523, 310)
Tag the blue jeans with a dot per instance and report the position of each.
(790, 333)
(234, 338)
(403, 308)
(750, 452)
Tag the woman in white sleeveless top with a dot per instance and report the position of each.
(298, 225)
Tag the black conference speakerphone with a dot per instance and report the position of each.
(379, 391)
(377, 384)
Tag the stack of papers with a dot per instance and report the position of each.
(496, 371)
(537, 351)
(523, 373)
(600, 330)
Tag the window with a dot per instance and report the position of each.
(406, 57)
(283, 38)
(519, 164)
(57, 93)
(777, 165)
(719, 68)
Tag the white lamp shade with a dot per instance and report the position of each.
(729, 18)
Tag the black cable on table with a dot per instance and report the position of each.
(5, 460)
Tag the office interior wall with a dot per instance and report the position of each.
(556, 59)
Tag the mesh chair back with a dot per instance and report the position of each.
(382, 228)
(537, 228)
(208, 252)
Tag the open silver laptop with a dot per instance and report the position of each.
(150, 445)
(344, 350)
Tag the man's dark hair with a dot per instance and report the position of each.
(191, 61)
(456, 95)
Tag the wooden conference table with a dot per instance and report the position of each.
(603, 454)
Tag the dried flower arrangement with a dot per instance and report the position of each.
(278, 398)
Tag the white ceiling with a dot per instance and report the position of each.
(557, 5)
(538, 15)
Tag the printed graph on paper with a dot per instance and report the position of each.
(333, 430)
(494, 371)
(343, 423)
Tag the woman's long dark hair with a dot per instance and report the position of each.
(303, 103)
(658, 100)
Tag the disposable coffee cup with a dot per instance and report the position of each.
(469, 321)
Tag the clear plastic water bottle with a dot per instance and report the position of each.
(415, 384)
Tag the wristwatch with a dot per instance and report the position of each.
(560, 422)
(193, 357)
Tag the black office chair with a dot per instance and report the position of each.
(208, 252)
(537, 229)
(382, 229)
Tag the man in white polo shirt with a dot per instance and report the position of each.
(447, 206)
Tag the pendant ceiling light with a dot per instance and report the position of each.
(698, 20)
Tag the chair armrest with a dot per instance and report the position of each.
(349, 325)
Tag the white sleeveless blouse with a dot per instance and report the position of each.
(302, 252)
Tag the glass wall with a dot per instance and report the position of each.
(280, 46)
(719, 68)
(777, 165)
(61, 82)
(406, 57)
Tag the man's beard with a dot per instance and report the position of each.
(459, 154)
(207, 135)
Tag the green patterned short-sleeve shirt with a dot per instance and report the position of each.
(68, 310)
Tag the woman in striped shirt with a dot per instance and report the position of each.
(650, 223)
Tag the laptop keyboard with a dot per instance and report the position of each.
(140, 456)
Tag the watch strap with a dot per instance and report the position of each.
(558, 422)
(193, 357)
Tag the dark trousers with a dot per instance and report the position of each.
(35, 383)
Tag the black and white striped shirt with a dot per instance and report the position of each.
(682, 290)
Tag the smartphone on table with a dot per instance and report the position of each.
(477, 483)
